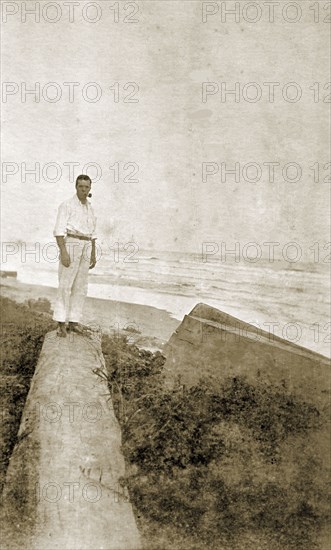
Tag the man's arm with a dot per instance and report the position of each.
(93, 255)
(59, 233)
(94, 236)
(65, 258)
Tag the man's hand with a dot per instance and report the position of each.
(65, 258)
(93, 261)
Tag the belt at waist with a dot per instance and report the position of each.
(80, 237)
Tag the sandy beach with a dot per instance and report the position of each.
(147, 326)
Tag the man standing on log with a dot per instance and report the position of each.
(75, 235)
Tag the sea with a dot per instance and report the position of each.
(290, 300)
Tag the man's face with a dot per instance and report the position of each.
(83, 189)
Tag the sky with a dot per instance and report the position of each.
(155, 144)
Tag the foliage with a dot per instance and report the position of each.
(217, 463)
(22, 335)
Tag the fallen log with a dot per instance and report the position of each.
(63, 486)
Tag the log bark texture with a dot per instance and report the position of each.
(63, 487)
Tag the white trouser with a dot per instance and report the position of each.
(73, 281)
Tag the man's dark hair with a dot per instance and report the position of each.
(83, 177)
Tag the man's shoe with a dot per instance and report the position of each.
(75, 327)
(61, 330)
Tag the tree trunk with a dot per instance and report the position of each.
(63, 482)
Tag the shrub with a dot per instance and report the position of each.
(212, 461)
(22, 335)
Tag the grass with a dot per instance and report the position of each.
(23, 327)
(228, 465)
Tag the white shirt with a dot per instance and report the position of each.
(75, 217)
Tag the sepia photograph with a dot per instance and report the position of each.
(165, 275)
